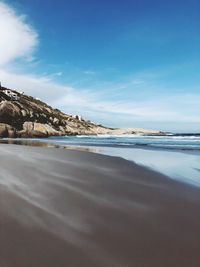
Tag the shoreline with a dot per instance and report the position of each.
(50, 141)
(70, 208)
(90, 147)
(179, 165)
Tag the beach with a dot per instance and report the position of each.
(63, 208)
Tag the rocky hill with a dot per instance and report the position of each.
(25, 116)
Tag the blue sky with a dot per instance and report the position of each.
(121, 63)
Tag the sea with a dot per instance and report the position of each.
(176, 156)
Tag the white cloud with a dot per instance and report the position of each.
(46, 89)
(17, 38)
(89, 72)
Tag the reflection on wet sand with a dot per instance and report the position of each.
(37, 143)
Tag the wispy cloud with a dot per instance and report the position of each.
(89, 72)
(18, 38)
(59, 73)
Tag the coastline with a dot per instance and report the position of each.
(71, 208)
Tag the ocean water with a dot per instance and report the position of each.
(175, 156)
(135, 141)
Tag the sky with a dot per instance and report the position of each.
(130, 63)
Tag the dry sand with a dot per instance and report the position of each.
(63, 208)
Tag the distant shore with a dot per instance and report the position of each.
(72, 208)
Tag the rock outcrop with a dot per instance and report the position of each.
(25, 116)
(7, 131)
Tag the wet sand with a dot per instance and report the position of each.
(63, 208)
